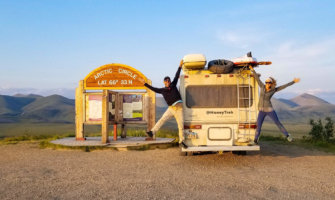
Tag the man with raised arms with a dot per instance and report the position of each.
(173, 99)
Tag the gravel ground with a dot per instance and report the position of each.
(276, 172)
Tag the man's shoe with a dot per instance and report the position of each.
(289, 138)
(150, 134)
(182, 144)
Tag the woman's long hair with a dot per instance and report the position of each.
(274, 83)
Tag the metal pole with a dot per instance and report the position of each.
(115, 132)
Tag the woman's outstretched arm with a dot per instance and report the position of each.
(296, 80)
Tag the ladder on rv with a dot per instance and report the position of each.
(246, 112)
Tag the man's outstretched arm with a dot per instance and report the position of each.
(175, 80)
(157, 90)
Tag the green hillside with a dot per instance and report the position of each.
(54, 108)
(12, 107)
(32, 108)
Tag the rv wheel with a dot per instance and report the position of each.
(190, 153)
(240, 153)
(183, 153)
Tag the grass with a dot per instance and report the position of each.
(47, 144)
(31, 138)
(319, 145)
(296, 130)
(303, 142)
(35, 129)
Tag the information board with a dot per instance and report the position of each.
(132, 107)
(94, 107)
(106, 105)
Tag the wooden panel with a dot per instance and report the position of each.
(105, 117)
(146, 110)
(79, 111)
(152, 108)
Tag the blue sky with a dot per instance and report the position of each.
(53, 44)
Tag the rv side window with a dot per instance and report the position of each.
(218, 96)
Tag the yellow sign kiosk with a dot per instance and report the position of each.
(102, 98)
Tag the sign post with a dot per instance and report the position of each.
(110, 95)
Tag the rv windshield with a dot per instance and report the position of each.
(218, 96)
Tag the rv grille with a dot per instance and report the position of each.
(218, 96)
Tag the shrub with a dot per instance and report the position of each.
(329, 129)
(320, 132)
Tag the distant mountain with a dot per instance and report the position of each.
(291, 104)
(283, 104)
(34, 108)
(328, 96)
(66, 92)
(58, 109)
(302, 108)
(54, 108)
(27, 95)
(160, 102)
(309, 100)
(13, 105)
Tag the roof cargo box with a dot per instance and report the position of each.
(194, 61)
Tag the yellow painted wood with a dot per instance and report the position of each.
(108, 75)
(105, 117)
(115, 88)
(152, 108)
(79, 111)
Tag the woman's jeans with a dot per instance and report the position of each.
(274, 117)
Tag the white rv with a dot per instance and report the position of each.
(220, 110)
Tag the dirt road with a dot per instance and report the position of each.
(277, 172)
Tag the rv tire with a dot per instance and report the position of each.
(190, 153)
(182, 153)
(240, 153)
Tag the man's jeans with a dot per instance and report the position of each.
(274, 117)
(177, 112)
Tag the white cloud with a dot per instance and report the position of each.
(243, 39)
(317, 91)
(317, 51)
(313, 62)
